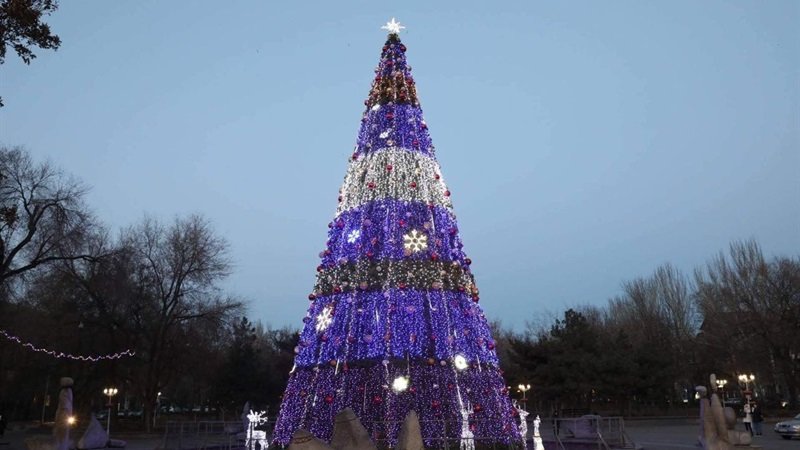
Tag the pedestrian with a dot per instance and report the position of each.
(748, 418)
(758, 419)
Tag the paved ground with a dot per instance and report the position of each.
(650, 434)
(675, 435)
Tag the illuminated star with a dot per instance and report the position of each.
(392, 27)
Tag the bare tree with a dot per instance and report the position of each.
(43, 217)
(753, 307)
(177, 269)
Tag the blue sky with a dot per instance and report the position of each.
(585, 143)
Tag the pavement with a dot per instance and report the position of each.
(682, 434)
(650, 434)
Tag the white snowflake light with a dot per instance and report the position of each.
(353, 236)
(400, 384)
(460, 362)
(325, 318)
(415, 241)
(384, 135)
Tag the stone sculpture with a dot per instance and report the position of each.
(349, 433)
(63, 415)
(303, 440)
(95, 436)
(410, 437)
(717, 423)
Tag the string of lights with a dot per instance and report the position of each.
(62, 355)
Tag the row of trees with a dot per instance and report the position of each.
(68, 283)
(665, 334)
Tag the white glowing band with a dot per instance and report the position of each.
(393, 173)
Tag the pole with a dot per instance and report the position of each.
(108, 427)
(44, 397)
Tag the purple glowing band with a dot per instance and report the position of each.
(436, 393)
(397, 323)
(382, 225)
(407, 129)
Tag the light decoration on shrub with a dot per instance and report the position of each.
(63, 355)
(415, 241)
(325, 318)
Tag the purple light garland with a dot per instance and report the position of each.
(62, 355)
(437, 393)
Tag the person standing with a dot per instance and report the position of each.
(748, 418)
(758, 418)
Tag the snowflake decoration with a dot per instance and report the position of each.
(353, 236)
(385, 134)
(415, 241)
(325, 318)
(400, 384)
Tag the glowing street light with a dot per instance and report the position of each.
(71, 420)
(721, 386)
(524, 388)
(747, 379)
(110, 392)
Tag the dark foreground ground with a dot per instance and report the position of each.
(651, 434)
(668, 434)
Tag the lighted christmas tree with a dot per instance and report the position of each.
(394, 323)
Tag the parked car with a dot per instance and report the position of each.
(789, 428)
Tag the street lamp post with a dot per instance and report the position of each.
(747, 379)
(524, 388)
(109, 392)
(721, 385)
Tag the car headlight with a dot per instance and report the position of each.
(796, 427)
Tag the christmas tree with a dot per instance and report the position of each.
(394, 323)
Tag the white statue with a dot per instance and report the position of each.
(523, 423)
(64, 419)
(467, 437)
(537, 439)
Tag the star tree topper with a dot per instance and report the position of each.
(392, 27)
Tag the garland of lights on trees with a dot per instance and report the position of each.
(63, 355)
(394, 323)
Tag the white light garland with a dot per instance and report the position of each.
(368, 179)
(62, 355)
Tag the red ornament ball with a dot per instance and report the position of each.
(329, 399)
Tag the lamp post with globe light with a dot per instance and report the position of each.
(110, 392)
(524, 388)
(721, 386)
